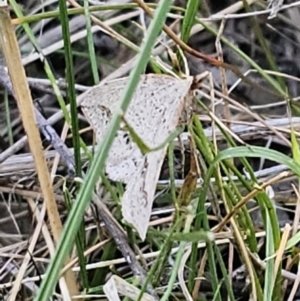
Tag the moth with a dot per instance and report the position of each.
(157, 105)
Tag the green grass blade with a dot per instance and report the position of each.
(90, 41)
(269, 273)
(71, 84)
(189, 19)
(256, 152)
(225, 273)
(85, 193)
(79, 241)
(164, 252)
(293, 241)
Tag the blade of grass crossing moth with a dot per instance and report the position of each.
(84, 196)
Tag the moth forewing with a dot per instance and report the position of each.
(137, 210)
(153, 114)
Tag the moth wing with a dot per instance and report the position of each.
(138, 198)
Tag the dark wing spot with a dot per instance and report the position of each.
(126, 137)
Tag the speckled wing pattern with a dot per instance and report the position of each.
(153, 114)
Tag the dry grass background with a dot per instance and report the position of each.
(254, 115)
